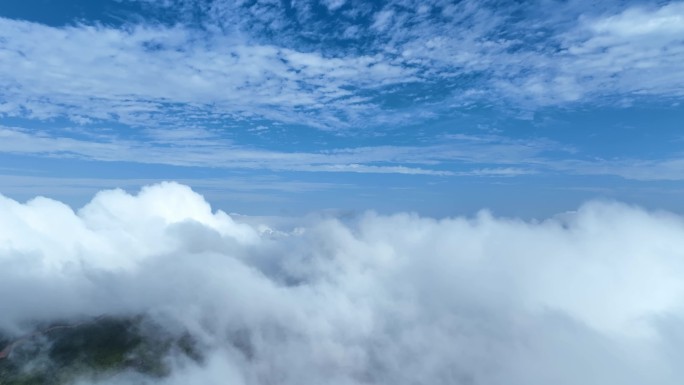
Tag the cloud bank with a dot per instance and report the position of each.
(591, 296)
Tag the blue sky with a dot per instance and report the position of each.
(286, 107)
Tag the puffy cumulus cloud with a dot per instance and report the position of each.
(592, 296)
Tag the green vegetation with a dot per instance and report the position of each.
(58, 355)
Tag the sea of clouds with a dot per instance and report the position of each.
(592, 296)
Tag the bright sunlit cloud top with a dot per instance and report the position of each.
(585, 296)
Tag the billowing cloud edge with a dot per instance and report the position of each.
(367, 299)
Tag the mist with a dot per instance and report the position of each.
(592, 296)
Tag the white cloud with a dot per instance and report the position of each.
(664, 169)
(199, 148)
(634, 52)
(234, 69)
(124, 74)
(502, 171)
(488, 155)
(664, 22)
(588, 296)
(382, 20)
(333, 5)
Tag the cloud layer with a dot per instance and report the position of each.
(391, 87)
(591, 296)
(376, 65)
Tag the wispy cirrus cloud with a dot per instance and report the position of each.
(634, 53)
(229, 89)
(262, 61)
(668, 168)
(124, 74)
(488, 155)
(219, 153)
